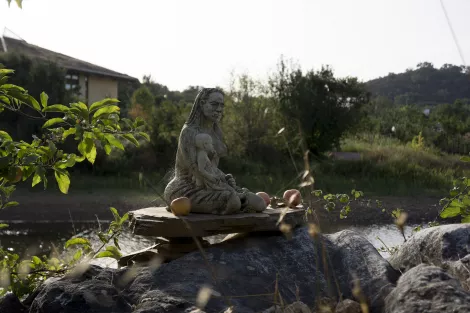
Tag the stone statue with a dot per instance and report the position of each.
(197, 175)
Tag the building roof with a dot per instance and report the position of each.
(8, 44)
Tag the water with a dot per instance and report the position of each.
(43, 237)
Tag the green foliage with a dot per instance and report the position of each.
(458, 202)
(332, 201)
(20, 160)
(424, 84)
(319, 105)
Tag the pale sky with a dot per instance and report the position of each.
(199, 42)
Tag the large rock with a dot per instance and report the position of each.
(11, 304)
(237, 269)
(446, 246)
(427, 289)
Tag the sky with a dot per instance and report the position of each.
(202, 42)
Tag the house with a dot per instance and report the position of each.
(95, 82)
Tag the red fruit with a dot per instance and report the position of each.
(292, 197)
(265, 197)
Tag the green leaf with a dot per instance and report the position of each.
(102, 103)
(68, 132)
(3, 226)
(114, 141)
(102, 237)
(107, 149)
(88, 149)
(10, 204)
(77, 255)
(116, 215)
(56, 108)
(44, 98)
(114, 252)
(52, 121)
(36, 260)
(77, 241)
(145, 135)
(106, 110)
(450, 211)
(465, 158)
(63, 181)
(344, 198)
(139, 122)
(36, 179)
(5, 136)
(131, 138)
(104, 254)
(466, 219)
(116, 243)
(33, 102)
(124, 218)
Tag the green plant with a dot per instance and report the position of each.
(97, 123)
(418, 142)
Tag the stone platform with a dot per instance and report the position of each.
(158, 222)
(175, 235)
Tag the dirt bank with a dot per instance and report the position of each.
(82, 206)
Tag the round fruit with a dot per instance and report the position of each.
(14, 174)
(180, 206)
(292, 197)
(265, 197)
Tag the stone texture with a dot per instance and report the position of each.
(94, 290)
(306, 269)
(296, 307)
(427, 289)
(446, 246)
(11, 304)
(159, 222)
(348, 306)
(362, 261)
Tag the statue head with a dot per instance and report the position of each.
(204, 142)
(209, 105)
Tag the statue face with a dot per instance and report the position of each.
(214, 107)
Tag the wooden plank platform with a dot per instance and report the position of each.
(158, 222)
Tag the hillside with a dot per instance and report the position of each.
(424, 85)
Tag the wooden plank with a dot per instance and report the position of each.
(157, 221)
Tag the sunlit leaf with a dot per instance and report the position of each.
(5, 136)
(68, 132)
(52, 122)
(104, 254)
(3, 226)
(63, 181)
(102, 103)
(56, 108)
(44, 97)
(114, 141)
(36, 179)
(10, 204)
(77, 255)
(466, 219)
(281, 130)
(106, 110)
(77, 241)
(465, 158)
(116, 215)
(88, 149)
(36, 260)
(450, 211)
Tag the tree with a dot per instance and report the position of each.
(319, 105)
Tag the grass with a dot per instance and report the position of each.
(387, 167)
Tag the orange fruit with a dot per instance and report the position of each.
(292, 197)
(180, 206)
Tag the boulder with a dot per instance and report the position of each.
(446, 246)
(427, 289)
(301, 269)
(11, 304)
(348, 306)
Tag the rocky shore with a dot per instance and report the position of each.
(430, 273)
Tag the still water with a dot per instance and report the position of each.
(41, 238)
